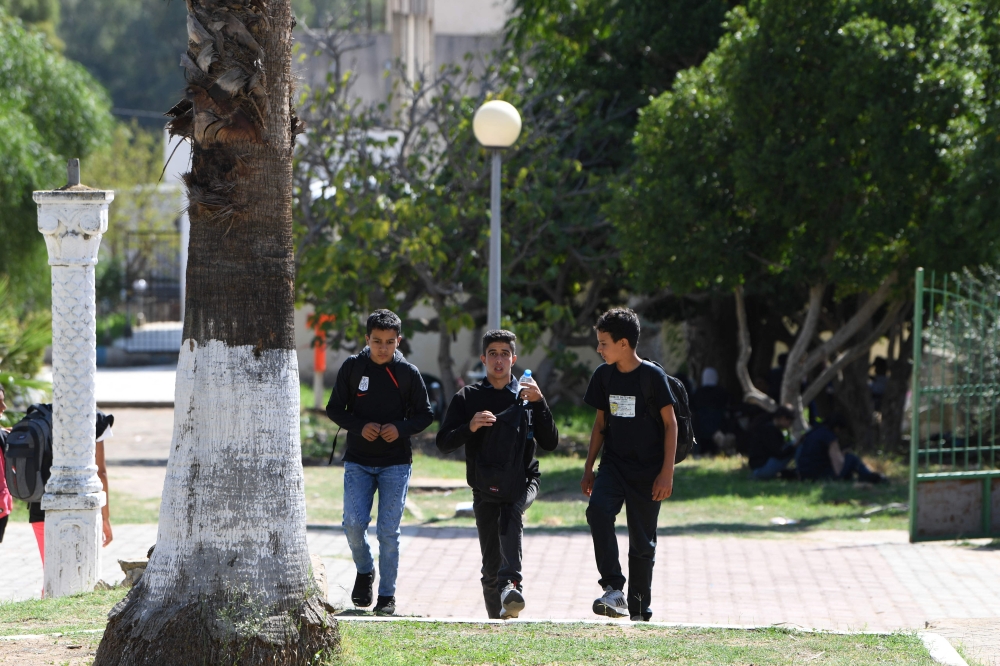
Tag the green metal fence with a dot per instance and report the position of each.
(955, 427)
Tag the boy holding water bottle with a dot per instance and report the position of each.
(472, 413)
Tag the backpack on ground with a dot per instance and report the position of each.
(400, 379)
(682, 410)
(29, 443)
(499, 465)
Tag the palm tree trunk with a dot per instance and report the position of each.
(229, 581)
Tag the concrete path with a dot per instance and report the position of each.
(151, 386)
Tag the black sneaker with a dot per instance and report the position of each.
(611, 603)
(362, 593)
(385, 605)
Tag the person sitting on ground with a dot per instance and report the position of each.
(471, 416)
(768, 450)
(775, 376)
(879, 382)
(819, 456)
(709, 403)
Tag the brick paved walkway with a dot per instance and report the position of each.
(872, 581)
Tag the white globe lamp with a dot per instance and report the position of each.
(497, 124)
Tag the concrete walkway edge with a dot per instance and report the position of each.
(941, 650)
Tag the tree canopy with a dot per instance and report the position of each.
(51, 109)
(814, 152)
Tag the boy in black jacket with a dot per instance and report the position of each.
(500, 526)
(381, 401)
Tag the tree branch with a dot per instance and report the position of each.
(852, 354)
(751, 393)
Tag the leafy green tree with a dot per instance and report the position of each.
(131, 47)
(22, 344)
(51, 109)
(41, 15)
(808, 155)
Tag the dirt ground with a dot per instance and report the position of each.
(74, 650)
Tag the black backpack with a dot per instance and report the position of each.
(682, 410)
(401, 379)
(29, 443)
(499, 465)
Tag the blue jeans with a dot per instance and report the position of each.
(360, 484)
(771, 468)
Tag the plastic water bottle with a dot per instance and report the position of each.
(526, 380)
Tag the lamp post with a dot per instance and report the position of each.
(496, 125)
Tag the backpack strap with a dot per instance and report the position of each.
(649, 392)
(357, 372)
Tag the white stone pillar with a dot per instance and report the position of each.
(73, 219)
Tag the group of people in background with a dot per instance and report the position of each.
(381, 400)
(726, 426)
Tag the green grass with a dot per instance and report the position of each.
(409, 643)
(124, 509)
(47, 616)
(710, 495)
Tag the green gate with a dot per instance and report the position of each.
(954, 479)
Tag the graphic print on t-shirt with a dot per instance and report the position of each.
(622, 405)
(363, 386)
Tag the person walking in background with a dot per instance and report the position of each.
(381, 401)
(637, 462)
(36, 515)
(6, 501)
(471, 418)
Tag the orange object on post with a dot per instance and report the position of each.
(316, 322)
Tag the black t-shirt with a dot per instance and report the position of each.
(813, 455)
(766, 441)
(633, 441)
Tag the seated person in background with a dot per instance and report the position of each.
(879, 382)
(775, 376)
(767, 450)
(708, 411)
(819, 457)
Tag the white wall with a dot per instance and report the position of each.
(470, 17)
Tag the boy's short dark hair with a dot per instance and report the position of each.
(384, 320)
(500, 335)
(620, 323)
(783, 412)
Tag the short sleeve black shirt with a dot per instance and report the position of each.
(633, 441)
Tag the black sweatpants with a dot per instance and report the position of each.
(501, 552)
(611, 490)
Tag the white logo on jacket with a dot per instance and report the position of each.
(364, 384)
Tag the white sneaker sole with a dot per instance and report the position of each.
(511, 610)
(601, 608)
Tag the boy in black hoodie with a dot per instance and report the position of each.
(381, 401)
(500, 526)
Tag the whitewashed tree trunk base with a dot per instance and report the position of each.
(233, 502)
